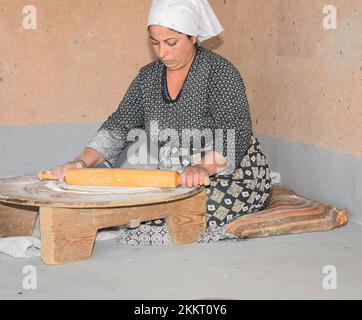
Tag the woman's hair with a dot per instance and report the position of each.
(196, 44)
(188, 36)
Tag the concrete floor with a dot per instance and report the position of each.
(284, 267)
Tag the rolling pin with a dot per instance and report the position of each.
(121, 178)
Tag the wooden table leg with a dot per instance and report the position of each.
(188, 222)
(17, 221)
(65, 236)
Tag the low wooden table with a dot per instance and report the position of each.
(69, 219)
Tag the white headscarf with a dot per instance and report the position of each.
(191, 17)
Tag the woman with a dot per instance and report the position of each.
(188, 89)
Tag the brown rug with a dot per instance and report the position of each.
(289, 213)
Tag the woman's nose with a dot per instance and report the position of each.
(163, 52)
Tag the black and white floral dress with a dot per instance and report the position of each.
(212, 107)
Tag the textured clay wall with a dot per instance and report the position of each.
(304, 82)
(77, 64)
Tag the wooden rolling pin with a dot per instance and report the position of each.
(121, 178)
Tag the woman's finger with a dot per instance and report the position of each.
(61, 170)
(196, 179)
(56, 173)
(201, 178)
(65, 169)
(183, 179)
(189, 180)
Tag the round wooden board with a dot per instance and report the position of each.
(27, 190)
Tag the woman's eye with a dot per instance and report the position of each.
(154, 43)
(172, 44)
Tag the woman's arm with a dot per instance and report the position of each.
(88, 158)
(228, 105)
(211, 164)
(214, 163)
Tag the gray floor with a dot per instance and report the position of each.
(284, 267)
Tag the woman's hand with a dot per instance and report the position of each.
(59, 172)
(194, 176)
(89, 158)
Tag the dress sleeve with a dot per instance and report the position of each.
(229, 109)
(111, 138)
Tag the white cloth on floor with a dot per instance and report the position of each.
(20, 247)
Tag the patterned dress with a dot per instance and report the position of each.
(211, 112)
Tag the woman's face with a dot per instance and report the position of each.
(174, 49)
